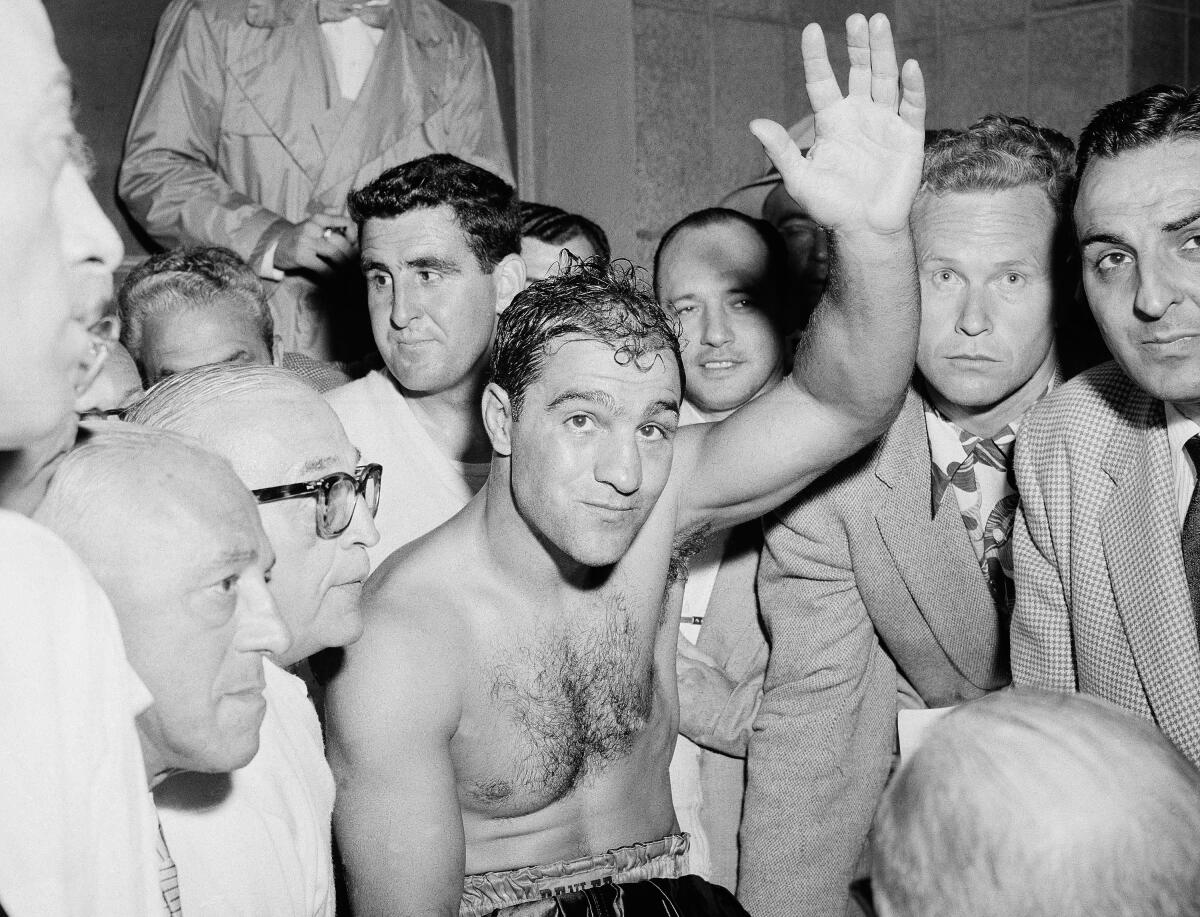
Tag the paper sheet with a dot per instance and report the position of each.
(912, 724)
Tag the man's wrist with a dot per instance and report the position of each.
(867, 238)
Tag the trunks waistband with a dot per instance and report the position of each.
(490, 891)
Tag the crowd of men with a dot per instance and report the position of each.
(833, 570)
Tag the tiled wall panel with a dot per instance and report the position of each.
(705, 67)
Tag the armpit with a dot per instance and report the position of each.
(687, 545)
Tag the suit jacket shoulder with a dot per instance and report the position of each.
(1082, 411)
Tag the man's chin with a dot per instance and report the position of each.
(601, 552)
(1178, 385)
(340, 620)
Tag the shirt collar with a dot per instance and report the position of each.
(1183, 422)
(949, 445)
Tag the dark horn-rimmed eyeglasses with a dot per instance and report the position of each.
(336, 495)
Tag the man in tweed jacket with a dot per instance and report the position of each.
(887, 585)
(1103, 466)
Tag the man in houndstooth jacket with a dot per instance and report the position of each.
(1104, 465)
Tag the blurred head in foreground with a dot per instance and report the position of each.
(1040, 805)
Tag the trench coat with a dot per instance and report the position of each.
(240, 131)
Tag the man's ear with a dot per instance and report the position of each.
(508, 277)
(497, 418)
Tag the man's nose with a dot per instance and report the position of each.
(260, 627)
(1157, 289)
(91, 245)
(404, 306)
(619, 464)
(715, 330)
(361, 529)
(973, 317)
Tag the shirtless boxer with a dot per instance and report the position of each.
(511, 708)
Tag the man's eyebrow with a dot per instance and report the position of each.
(234, 557)
(1176, 225)
(1101, 238)
(319, 465)
(433, 263)
(661, 406)
(81, 155)
(597, 396)
(749, 288)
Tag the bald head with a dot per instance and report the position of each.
(277, 430)
(122, 471)
(1040, 805)
(175, 541)
(254, 416)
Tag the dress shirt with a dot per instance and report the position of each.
(1183, 422)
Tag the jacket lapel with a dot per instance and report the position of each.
(281, 72)
(934, 557)
(1141, 544)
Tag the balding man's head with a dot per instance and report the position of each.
(57, 250)
(1040, 805)
(174, 539)
(275, 429)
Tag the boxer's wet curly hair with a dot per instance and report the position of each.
(591, 300)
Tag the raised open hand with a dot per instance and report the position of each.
(863, 171)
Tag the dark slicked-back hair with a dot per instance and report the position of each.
(590, 300)
(1000, 152)
(723, 216)
(555, 226)
(1155, 114)
(484, 205)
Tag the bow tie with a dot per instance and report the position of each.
(373, 14)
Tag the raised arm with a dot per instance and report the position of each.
(391, 714)
(854, 362)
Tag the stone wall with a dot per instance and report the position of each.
(704, 68)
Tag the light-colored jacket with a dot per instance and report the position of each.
(732, 635)
(1102, 600)
(862, 593)
(239, 130)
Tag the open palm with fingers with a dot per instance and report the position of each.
(864, 168)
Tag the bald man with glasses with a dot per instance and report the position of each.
(264, 847)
